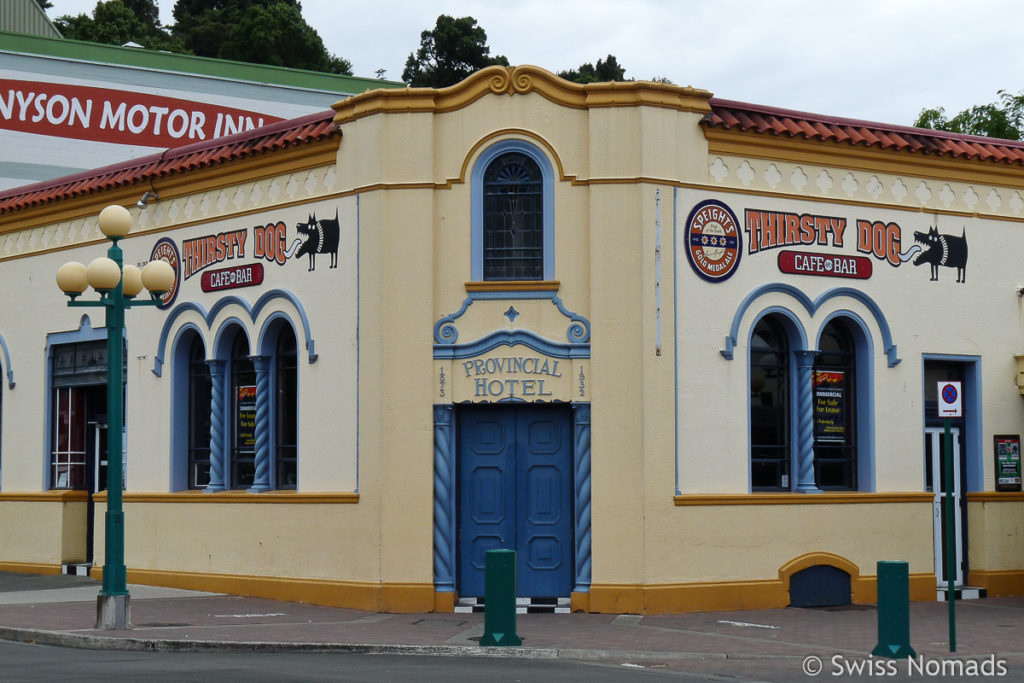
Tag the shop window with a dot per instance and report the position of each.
(252, 403)
(242, 451)
(834, 379)
(286, 410)
(68, 460)
(513, 226)
(199, 389)
(770, 424)
(78, 416)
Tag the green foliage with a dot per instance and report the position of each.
(44, 4)
(1003, 119)
(257, 31)
(453, 50)
(117, 22)
(605, 70)
(276, 34)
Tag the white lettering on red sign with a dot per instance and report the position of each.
(121, 117)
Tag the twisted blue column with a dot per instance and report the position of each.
(581, 486)
(218, 445)
(261, 480)
(444, 499)
(804, 441)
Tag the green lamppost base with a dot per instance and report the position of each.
(113, 612)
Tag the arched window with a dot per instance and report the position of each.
(512, 215)
(513, 219)
(243, 413)
(199, 390)
(769, 407)
(286, 431)
(835, 408)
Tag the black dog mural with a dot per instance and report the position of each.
(322, 237)
(940, 250)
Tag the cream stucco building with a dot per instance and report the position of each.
(680, 353)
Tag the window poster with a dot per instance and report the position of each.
(829, 405)
(1007, 461)
(246, 417)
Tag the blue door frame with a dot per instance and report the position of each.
(515, 491)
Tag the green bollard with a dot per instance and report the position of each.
(893, 611)
(500, 599)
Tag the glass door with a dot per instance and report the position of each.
(935, 482)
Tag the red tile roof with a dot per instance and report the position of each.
(310, 128)
(731, 115)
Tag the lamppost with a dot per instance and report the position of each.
(117, 286)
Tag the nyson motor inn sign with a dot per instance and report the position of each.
(116, 116)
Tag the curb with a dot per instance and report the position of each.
(96, 642)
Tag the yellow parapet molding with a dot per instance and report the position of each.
(521, 80)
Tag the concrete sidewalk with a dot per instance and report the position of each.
(61, 610)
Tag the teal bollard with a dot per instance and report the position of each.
(893, 611)
(500, 599)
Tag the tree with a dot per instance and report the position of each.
(604, 70)
(44, 4)
(1003, 119)
(117, 22)
(257, 31)
(449, 53)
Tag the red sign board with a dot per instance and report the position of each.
(248, 275)
(117, 116)
(826, 265)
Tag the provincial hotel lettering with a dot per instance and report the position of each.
(529, 381)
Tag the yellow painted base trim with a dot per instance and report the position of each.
(998, 583)
(444, 602)
(62, 496)
(197, 496)
(579, 602)
(360, 595)
(995, 497)
(715, 596)
(30, 568)
(852, 497)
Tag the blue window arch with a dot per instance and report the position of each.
(512, 207)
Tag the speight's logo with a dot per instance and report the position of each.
(166, 249)
(713, 241)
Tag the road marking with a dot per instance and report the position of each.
(744, 624)
(248, 616)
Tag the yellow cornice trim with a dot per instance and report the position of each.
(290, 497)
(801, 498)
(62, 496)
(860, 158)
(514, 286)
(521, 80)
(995, 497)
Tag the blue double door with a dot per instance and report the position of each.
(515, 493)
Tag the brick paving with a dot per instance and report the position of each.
(62, 611)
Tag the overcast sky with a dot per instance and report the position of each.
(879, 60)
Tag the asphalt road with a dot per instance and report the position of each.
(22, 662)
